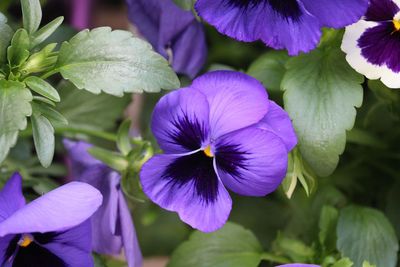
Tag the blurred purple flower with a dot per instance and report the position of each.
(173, 32)
(294, 25)
(372, 45)
(298, 265)
(112, 224)
(81, 13)
(213, 138)
(51, 231)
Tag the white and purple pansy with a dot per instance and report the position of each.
(372, 45)
(51, 231)
(294, 25)
(221, 132)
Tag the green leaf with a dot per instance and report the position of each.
(6, 34)
(123, 138)
(327, 228)
(367, 264)
(32, 15)
(321, 93)
(43, 137)
(365, 234)
(112, 159)
(42, 88)
(232, 246)
(18, 52)
(87, 111)
(45, 32)
(114, 62)
(345, 262)
(50, 113)
(185, 4)
(295, 249)
(15, 107)
(269, 69)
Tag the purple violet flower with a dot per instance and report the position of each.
(212, 138)
(372, 45)
(112, 224)
(51, 231)
(294, 25)
(173, 32)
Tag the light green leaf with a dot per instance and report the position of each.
(123, 138)
(18, 52)
(367, 264)
(45, 32)
(42, 88)
(365, 234)
(114, 62)
(32, 15)
(43, 137)
(321, 93)
(295, 249)
(14, 108)
(50, 113)
(269, 69)
(232, 246)
(345, 262)
(185, 4)
(87, 111)
(6, 34)
(327, 228)
(112, 159)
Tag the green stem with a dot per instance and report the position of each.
(274, 258)
(48, 74)
(99, 134)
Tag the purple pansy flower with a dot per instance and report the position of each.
(51, 231)
(294, 25)
(213, 139)
(173, 32)
(298, 265)
(372, 45)
(112, 224)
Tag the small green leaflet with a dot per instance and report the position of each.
(45, 32)
(6, 34)
(231, 246)
(32, 15)
(44, 140)
(114, 62)
(14, 108)
(18, 52)
(42, 88)
(321, 93)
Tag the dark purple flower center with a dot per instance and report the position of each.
(286, 8)
(32, 254)
(380, 45)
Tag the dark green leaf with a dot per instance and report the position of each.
(321, 93)
(32, 15)
(365, 234)
(47, 30)
(43, 137)
(15, 107)
(42, 88)
(270, 68)
(114, 62)
(327, 228)
(295, 249)
(232, 246)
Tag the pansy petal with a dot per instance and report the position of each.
(251, 161)
(105, 219)
(60, 209)
(189, 59)
(11, 198)
(357, 55)
(180, 121)
(73, 246)
(6, 250)
(280, 24)
(338, 13)
(189, 186)
(132, 251)
(381, 10)
(236, 100)
(278, 121)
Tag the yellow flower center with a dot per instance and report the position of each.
(208, 152)
(396, 24)
(25, 240)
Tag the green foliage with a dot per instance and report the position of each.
(18, 52)
(43, 137)
(321, 93)
(114, 62)
(327, 228)
(232, 246)
(6, 34)
(42, 88)
(32, 15)
(366, 234)
(45, 32)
